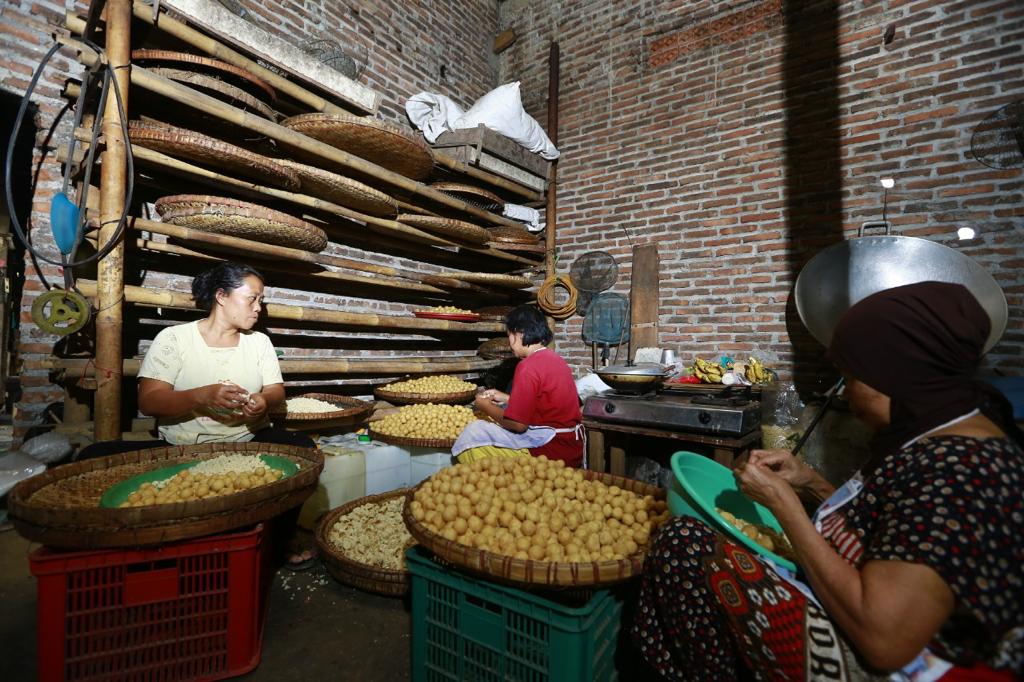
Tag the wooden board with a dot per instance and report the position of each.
(644, 297)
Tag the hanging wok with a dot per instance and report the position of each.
(847, 272)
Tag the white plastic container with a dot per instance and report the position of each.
(342, 480)
(425, 462)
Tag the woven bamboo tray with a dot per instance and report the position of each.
(221, 215)
(350, 408)
(495, 349)
(341, 190)
(194, 62)
(448, 227)
(494, 313)
(471, 194)
(440, 443)
(200, 149)
(389, 582)
(382, 143)
(511, 235)
(217, 88)
(490, 278)
(406, 398)
(526, 571)
(60, 507)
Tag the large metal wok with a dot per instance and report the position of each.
(847, 272)
(639, 378)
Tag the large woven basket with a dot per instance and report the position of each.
(341, 190)
(439, 443)
(447, 227)
(381, 143)
(495, 349)
(218, 89)
(526, 571)
(389, 582)
(348, 408)
(496, 279)
(494, 313)
(204, 150)
(222, 215)
(407, 398)
(195, 62)
(471, 194)
(61, 507)
(511, 235)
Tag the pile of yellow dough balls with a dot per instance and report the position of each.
(443, 383)
(448, 309)
(535, 508)
(187, 486)
(426, 421)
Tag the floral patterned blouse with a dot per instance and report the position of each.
(955, 504)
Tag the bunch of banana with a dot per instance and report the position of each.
(756, 373)
(708, 372)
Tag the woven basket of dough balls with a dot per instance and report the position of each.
(535, 521)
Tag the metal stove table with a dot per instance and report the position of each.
(730, 426)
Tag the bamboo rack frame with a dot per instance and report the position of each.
(278, 311)
(144, 12)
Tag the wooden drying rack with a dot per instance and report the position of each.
(106, 371)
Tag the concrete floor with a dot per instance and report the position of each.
(316, 628)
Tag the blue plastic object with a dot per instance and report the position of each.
(703, 484)
(64, 219)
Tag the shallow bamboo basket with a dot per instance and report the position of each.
(60, 507)
(526, 571)
(389, 582)
(440, 443)
(348, 408)
(406, 398)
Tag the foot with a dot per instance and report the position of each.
(300, 561)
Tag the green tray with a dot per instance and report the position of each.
(118, 493)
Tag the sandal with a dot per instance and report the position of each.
(303, 564)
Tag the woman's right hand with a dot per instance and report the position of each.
(784, 464)
(226, 396)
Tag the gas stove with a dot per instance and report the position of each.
(725, 415)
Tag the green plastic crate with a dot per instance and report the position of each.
(469, 629)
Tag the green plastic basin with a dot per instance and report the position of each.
(702, 484)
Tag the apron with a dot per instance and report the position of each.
(482, 432)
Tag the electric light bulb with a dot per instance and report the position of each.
(965, 233)
(888, 183)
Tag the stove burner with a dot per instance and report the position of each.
(719, 400)
(724, 413)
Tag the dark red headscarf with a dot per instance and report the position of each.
(920, 344)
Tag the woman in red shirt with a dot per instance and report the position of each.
(542, 414)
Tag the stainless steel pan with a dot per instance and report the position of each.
(847, 272)
(633, 378)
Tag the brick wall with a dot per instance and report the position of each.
(742, 137)
(409, 47)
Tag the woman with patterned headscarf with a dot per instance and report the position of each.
(912, 568)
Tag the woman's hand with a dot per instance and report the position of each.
(225, 396)
(494, 395)
(758, 482)
(255, 407)
(783, 463)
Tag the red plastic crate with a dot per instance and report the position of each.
(184, 611)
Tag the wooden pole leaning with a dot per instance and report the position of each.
(113, 178)
(279, 311)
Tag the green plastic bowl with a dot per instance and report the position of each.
(702, 484)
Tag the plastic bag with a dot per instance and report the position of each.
(47, 447)
(643, 469)
(781, 409)
(16, 467)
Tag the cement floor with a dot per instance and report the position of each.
(316, 628)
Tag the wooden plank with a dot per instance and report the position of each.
(219, 21)
(86, 367)
(644, 297)
(504, 40)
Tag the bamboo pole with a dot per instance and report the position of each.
(325, 277)
(376, 224)
(278, 252)
(107, 406)
(280, 311)
(86, 367)
(550, 213)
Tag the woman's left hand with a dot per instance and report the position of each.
(763, 485)
(256, 406)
